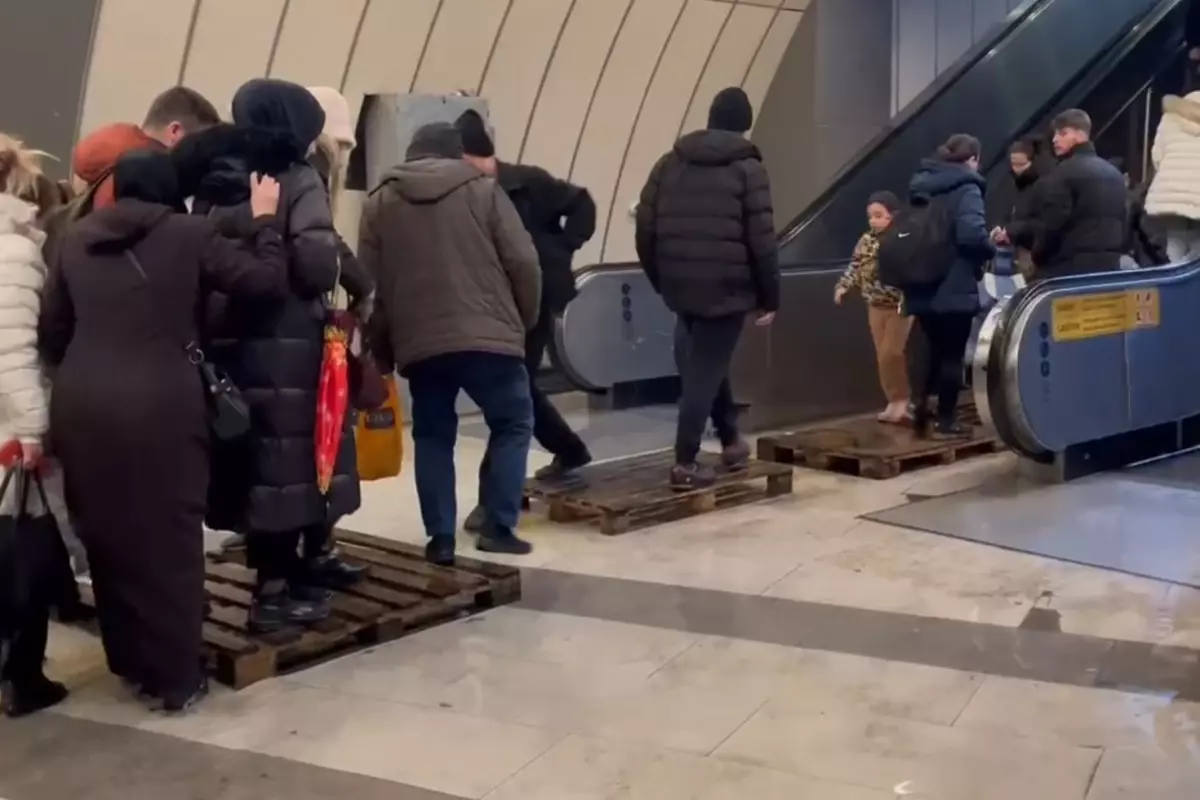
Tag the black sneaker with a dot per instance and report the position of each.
(275, 612)
(179, 701)
(497, 539)
(686, 477)
(439, 551)
(21, 700)
(561, 468)
(951, 430)
(736, 456)
(475, 520)
(332, 572)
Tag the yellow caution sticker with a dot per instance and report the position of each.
(1086, 316)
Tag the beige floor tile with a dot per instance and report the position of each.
(1094, 602)
(1179, 620)
(809, 681)
(1073, 714)
(1138, 775)
(932, 760)
(581, 768)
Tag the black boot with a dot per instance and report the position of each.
(439, 551)
(498, 539)
(177, 701)
(736, 456)
(685, 477)
(475, 520)
(20, 699)
(562, 467)
(275, 608)
(332, 572)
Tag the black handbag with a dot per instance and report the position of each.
(228, 411)
(28, 546)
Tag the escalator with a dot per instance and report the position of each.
(815, 361)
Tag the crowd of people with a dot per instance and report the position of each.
(177, 293)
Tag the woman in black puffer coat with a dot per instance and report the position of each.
(265, 485)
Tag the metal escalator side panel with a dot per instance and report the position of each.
(616, 330)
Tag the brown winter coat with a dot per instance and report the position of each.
(129, 418)
(455, 269)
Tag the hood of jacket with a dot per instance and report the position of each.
(18, 217)
(214, 164)
(940, 177)
(282, 107)
(98, 152)
(428, 180)
(715, 148)
(1186, 110)
(119, 226)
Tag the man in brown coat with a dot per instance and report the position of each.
(458, 287)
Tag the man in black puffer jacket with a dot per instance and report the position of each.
(706, 239)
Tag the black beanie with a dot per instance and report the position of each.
(731, 111)
(886, 199)
(474, 133)
(435, 140)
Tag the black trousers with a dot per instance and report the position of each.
(703, 352)
(26, 649)
(938, 371)
(275, 555)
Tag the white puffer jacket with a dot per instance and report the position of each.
(1175, 190)
(23, 389)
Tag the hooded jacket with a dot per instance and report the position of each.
(961, 189)
(1175, 190)
(705, 227)
(23, 408)
(455, 269)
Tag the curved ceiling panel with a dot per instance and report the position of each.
(730, 60)
(518, 66)
(137, 50)
(770, 53)
(315, 40)
(231, 43)
(388, 49)
(615, 107)
(575, 68)
(662, 111)
(461, 45)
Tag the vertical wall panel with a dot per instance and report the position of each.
(315, 41)
(460, 46)
(988, 14)
(230, 44)
(44, 111)
(766, 62)
(955, 33)
(518, 66)
(730, 59)
(660, 117)
(561, 108)
(136, 53)
(389, 48)
(615, 106)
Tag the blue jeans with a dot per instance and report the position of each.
(499, 385)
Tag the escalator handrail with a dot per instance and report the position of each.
(1017, 19)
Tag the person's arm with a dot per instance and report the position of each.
(517, 256)
(355, 280)
(970, 226)
(311, 238)
(1158, 150)
(22, 391)
(1055, 205)
(56, 320)
(646, 230)
(850, 277)
(261, 272)
(759, 220)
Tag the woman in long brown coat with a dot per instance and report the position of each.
(128, 411)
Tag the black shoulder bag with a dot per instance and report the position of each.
(228, 412)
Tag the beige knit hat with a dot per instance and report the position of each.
(337, 115)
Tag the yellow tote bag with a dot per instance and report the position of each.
(379, 438)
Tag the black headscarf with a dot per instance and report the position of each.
(149, 176)
(435, 140)
(281, 107)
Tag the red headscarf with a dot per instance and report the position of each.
(98, 152)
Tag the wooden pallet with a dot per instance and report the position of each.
(400, 595)
(865, 447)
(629, 493)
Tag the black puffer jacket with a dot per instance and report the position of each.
(266, 481)
(706, 230)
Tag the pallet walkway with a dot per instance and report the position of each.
(400, 595)
(630, 493)
(867, 448)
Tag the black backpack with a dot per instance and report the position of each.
(918, 247)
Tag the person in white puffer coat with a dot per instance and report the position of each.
(1174, 195)
(26, 194)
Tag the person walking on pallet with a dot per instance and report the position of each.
(706, 239)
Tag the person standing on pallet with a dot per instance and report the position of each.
(706, 239)
(561, 218)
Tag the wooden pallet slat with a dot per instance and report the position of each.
(864, 447)
(401, 594)
(630, 493)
